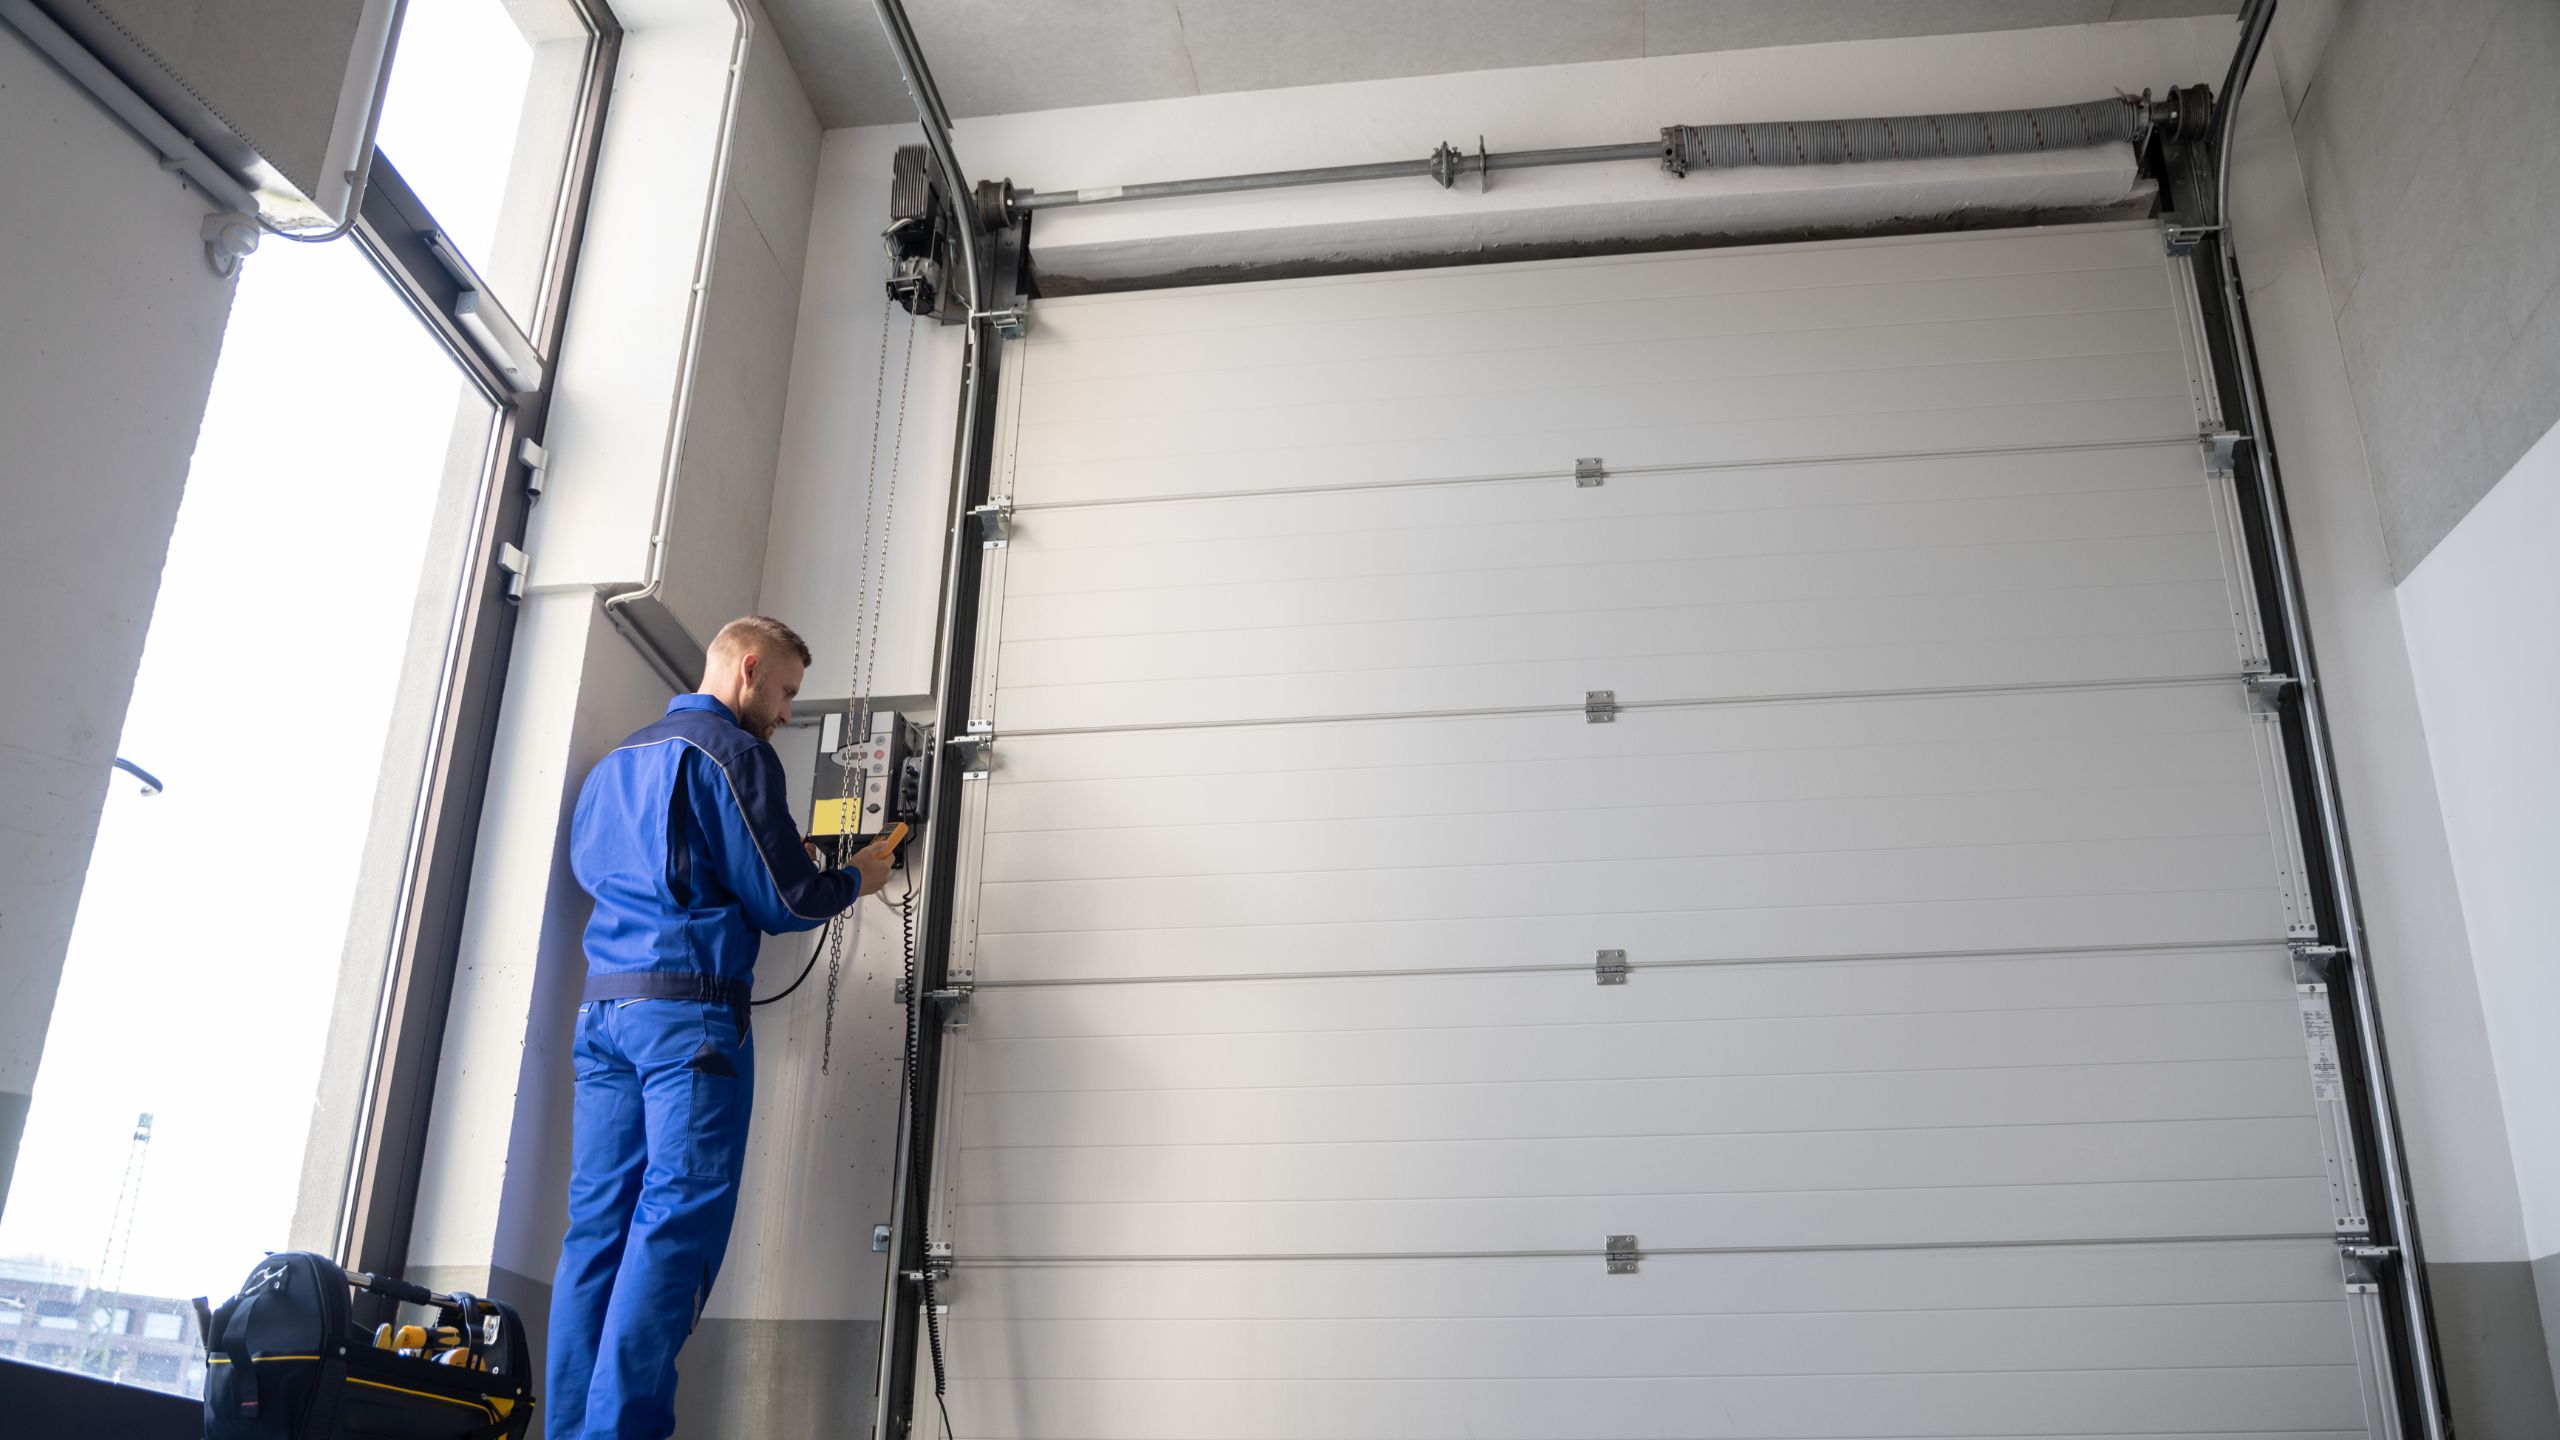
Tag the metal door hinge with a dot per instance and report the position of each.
(977, 753)
(1623, 1255)
(938, 1258)
(2266, 692)
(1599, 707)
(537, 467)
(2182, 239)
(2221, 447)
(1610, 966)
(2361, 1266)
(952, 1000)
(1587, 472)
(2311, 964)
(516, 564)
(995, 522)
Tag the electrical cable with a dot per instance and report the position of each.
(814, 951)
(918, 1199)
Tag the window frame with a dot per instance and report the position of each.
(401, 238)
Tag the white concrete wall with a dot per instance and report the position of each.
(2482, 614)
(110, 324)
(2427, 136)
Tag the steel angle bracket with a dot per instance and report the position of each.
(2361, 1266)
(995, 522)
(2266, 691)
(2311, 966)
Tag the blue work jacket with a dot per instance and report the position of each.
(684, 836)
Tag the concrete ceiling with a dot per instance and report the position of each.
(999, 57)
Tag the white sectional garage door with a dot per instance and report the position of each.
(1956, 1084)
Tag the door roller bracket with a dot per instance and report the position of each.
(2266, 692)
(2361, 1266)
(995, 522)
(2311, 965)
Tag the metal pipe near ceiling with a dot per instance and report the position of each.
(2381, 1115)
(1683, 148)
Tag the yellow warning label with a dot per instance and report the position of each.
(835, 817)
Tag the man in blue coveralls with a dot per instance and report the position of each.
(685, 838)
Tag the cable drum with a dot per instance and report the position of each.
(2125, 119)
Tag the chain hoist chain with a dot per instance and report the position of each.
(850, 743)
(877, 578)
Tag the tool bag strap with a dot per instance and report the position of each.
(235, 1343)
(328, 1392)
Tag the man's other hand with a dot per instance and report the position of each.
(871, 862)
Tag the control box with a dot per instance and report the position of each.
(886, 786)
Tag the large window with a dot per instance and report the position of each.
(231, 1061)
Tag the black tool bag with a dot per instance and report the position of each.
(284, 1361)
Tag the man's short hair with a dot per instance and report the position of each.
(761, 635)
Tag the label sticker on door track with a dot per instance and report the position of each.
(2320, 1038)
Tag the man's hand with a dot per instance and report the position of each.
(871, 862)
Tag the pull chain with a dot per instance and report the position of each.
(870, 588)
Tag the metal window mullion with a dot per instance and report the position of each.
(388, 1159)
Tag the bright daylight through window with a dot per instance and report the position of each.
(286, 702)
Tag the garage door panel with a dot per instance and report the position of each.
(1488, 539)
(1316, 848)
(1351, 420)
(1634, 1049)
(1617, 346)
(2028, 1278)
(1252, 313)
(1957, 1086)
(1748, 675)
(1900, 986)
(2196, 917)
(1959, 1215)
(1797, 329)
(1608, 1167)
(1575, 633)
(2256, 1403)
(1486, 1348)
(1800, 741)
(1438, 512)
(1669, 441)
(1577, 789)
(1496, 1110)
(1539, 885)
(1596, 588)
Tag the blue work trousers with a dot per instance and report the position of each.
(659, 1138)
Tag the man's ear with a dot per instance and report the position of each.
(747, 666)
